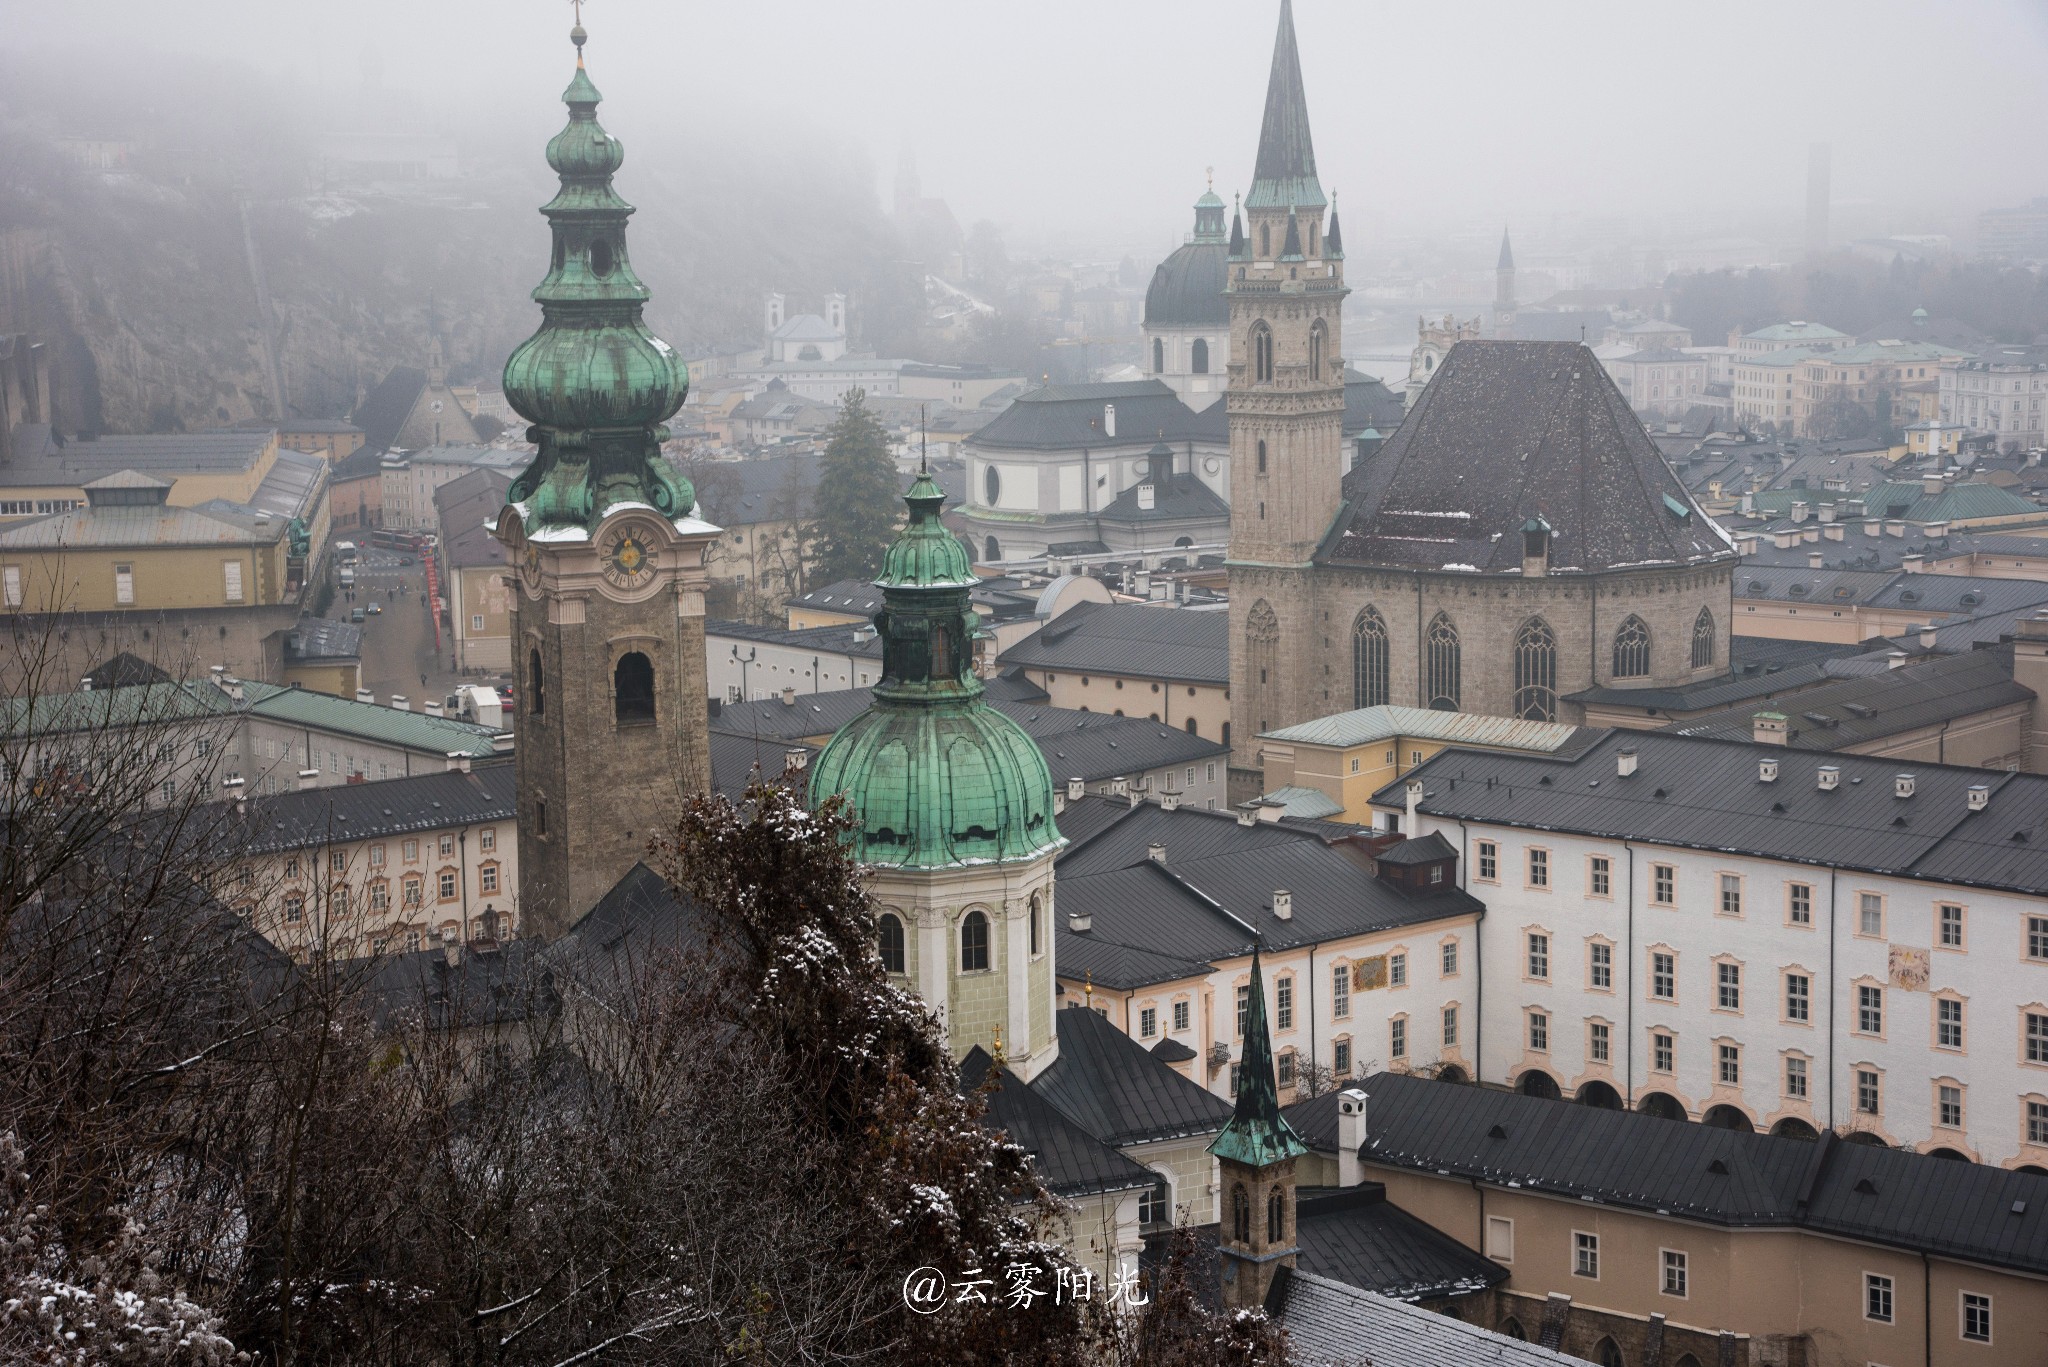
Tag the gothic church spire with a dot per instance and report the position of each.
(1285, 173)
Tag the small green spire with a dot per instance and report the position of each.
(1257, 1135)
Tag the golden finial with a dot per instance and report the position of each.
(576, 34)
(1088, 986)
(999, 1046)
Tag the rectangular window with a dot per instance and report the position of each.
(447, 846)
(1728, 986)
(2037, 937)
(1585, 1254)
(1286, 1069)
(1539, 868)
(1600, 879)
(1870, 914)
(377, 856)
(1867, 1096)
(1799, 903)
(124, 583)
(1450, 959)
(337, 861)
(1340, 991)
(2037, 1037)
(2037, 1122)
(447, 887)
(1795, 1077)
(1397, 1038)
(1539, 1032)
(1948, 1023)
(1539, 956)
(1663, 1052)
(1500, 1238)
(380, 897)
(1869, 1009)
(1600, 967)
(1397, 970)
(412, 850)
(231, 580)
(1728, 1060)
(1283, 1000)
(487, 839)
(1596, 1041)
(1489, 861)
(413, 889)
(12, 576)
(1877, 1298)
(1977, 1318)
(1731, 894)
(1949, 919)
(1664, 976)
(1340, 1058)
(1244, 1007)
(1948, 1106)
(1450, 1027)
(1180, 1015)
(1664, 885)
(294, 908)
(1148, 1022)
(476, 621)
(1674, 1282)
(1798, 997)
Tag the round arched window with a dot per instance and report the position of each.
(601, 258)
(992, 485)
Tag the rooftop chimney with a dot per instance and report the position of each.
(1271, 811)
(1076, 790)
(1931, 484)
(796, 759)
(399, 703)
(1767, 728)
(1625, 762)
(1799, 510)
(365, 695)
(1767, 770)
(1873, 527)
(1414, 794)
(1350, 1136)
(1146, 500)
(308, 779)
(1980, 796)
(1895, 526)
(1913, 562)
(1829, 778)
(1079, 922)
(1156, 852)
(432, 709)
(1109, 420)
(1928, 636)
(1902, 785)
(1283, 904)
(1836, 532)
(458, 761)
(1169, 800)
(1895, 659)
(1247, 816)
(789, 695)
(1816, 559)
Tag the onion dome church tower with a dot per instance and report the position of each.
(956, 810)
(608, 627)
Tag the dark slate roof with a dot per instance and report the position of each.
(1507, 431)
(1726, 690)
(1171, 1050)
(857, 597)
(365, 462)
(384, 409)
(638, 922)
(1855, 712)
(839, 638)
(741, 493)
(1369, 403)
(1177, 498)
(1069, 1160)
(1154, 922)
(1137, 640)
(39, 458)
(461, 508)
(1187, 290)
(485, 985)
(1698, 1172)
(321, 638)
(1696, 792)
(1427, 849)
(1357, 1237)
(1069, 417)
(1112, 1087)
(1328, 1324)
(735, 757)
(365, 811)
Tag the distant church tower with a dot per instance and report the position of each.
(1286, 404)
(608, 631)
(1255, 1158)
(1504, 291)
(956, 808)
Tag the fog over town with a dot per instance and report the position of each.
(1111, 685)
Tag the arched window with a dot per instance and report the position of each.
(1632, 649)
(1240, 1214)
(1262, 353)
(1200, 362)
(1369, 659)
(1276, 1217)
(889, 942)
(974, 943)
(1262, 655)
(1158, 355)
(1034, 922)
(633, 688)
(1512, 1328)
(1316, 333)
(1703, 639)
(1265, 239)
(942, 651)
(1191, 726)
(992, 550)
(1608, 1354)
(536, 684)
(1536, 671)
(1443, 664)
(1262, 458)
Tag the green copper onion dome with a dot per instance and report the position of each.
(937, 777)
(593, 381)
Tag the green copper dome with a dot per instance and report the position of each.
(593, 381)
(936, 776)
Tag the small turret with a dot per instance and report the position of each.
(1237, 249)
(1256, 1154)
(1290, 250)
(1333, 240)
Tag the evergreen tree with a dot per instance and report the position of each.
(859, 498)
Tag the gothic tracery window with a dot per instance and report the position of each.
(1536, 671)
(1703, 639)
(1443, 662)
(1262, 353)
(1240, 1214)
(1316, 334)
(1369, 659)
(1632, 648)
(1276, 1217)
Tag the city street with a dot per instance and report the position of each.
(398, 643)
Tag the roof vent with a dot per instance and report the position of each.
(1718, 1166)
(1902, 785)
(1979, 795)
(1496, 1133)
(1076, 789)
(1156, 852)
(1865, 1187)
(1283, 904)
(1247, 817)
(1830, 778)
(1767, 770)
(1625, 762)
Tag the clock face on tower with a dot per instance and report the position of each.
(529, 566)
(627, 559)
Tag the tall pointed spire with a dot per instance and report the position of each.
(1257, 1135)
(1237, 232)
(1507, 253)
(1286, 168)
(1333, 236)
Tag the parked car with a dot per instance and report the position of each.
(405, 560)
(356, 615)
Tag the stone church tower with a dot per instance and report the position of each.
(1285, 287)
(608, 630)
(956, 808)
(1504, 291)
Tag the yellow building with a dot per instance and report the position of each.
(1828, 382)
(1329, 768)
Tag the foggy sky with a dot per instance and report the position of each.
(1082, 124)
